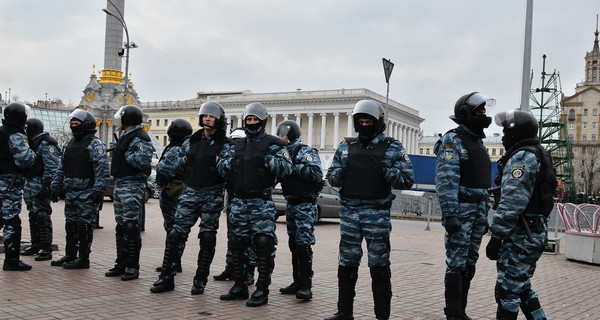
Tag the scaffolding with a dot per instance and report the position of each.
(552, 133)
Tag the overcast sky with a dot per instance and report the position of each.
(441, 49)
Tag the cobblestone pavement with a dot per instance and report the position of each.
(567, 290)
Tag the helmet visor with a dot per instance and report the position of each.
(120, 113)
(283, 130)
(78, 115)
(505, 119)
(478, 101)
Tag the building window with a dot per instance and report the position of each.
(571, 126)
(585, 112)
(594, 112)
(501, 151)
(585, 125)
(493, 151)
(571, 115)
(593, 138)
(571, 138)
(584, 137)
(420, 150)
(427, 151)
(594, 125)
(164, 140)
(150, 122)
(166, 122)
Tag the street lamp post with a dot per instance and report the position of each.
(127, 46)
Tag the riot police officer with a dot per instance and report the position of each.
(83, 171)
(37, 189)
(202, 198)
(519, 227)
(300, 190)
(253, 164)
(15, 158)
(130, 166)
(169, 178)
(463, 176)
(367, 168)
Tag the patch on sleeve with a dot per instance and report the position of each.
(286, 154)
(405, 158)
(51, 149)
(517, 172)
(100, 151)
(141, 147)
(448, 154)
(308, 158)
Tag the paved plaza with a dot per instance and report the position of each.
(567, 289)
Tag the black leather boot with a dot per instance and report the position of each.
(225, 275)
(44, 226)
(347, 277)
(466, 285)
(295, 285)
(70, 245)
(239, 291)
(119, 267)
(208, 241)
(382, 291)
(166, 280)
(264, 250)
(305, 272)
(85, 233)
(453, 296)
(34, 235)
(11, 256)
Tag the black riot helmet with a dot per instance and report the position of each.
(372, 109)
(87, 119)
(130, 115)
(33, 127)
(258, 110)
(290, 129)
(518, 125)
(16, 114)
(466, 108)
(213, 109)
(179, 129)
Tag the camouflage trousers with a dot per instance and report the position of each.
(11, 207)
(79, 207)
(128, 199)
(249, 217)
(249, 252)
(371, 224)
(300, 222)
(516, 265)
(34, 203)
(205, 204)
(168, 207)
(462, 247)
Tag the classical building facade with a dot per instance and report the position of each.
(493, 144)
(325, 116)
(583, 124)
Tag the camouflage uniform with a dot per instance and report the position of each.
(37, 195)
(301, 214)
(80, 207)
(15, 156)
(252, 215)
(367, 216)
(168, 171)
(131, 168)
(466, 203)
(518, 254)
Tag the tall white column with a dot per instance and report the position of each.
(350, 127)
(273, 123)
(311, 121)
(229, 124)
(336, 129)
(286, 117)
(323, 130)
(239, 122)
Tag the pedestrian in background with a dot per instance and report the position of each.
(300, 189)
(83, 173)
(367, 168)
(463, 177)
(15, 158)
(37, 189)
(130, 166)
(519, 227)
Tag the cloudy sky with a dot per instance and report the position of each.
(441, 49)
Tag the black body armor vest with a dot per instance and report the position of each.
(76, 159)
(476, 171)
(201, 165)
(7, 162)
(119, 166)
(38, 167)
(363, 178)
(249, 171)
(296, 185)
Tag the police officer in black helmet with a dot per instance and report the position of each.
(519, 228)
(15, 158)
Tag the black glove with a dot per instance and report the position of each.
(44, 192)
(492, 250)
(97, 197)
(451, 224)
(54, 195)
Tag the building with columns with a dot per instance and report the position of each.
(325, 116)
(493, 145)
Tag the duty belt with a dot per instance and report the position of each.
(295, 201)
(262, 194)
(536, 224)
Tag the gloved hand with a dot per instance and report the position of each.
(452, 224)
(44, 192)
(97, 197)
(492, 250)
(54, 195)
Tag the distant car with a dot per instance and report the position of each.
(328, 202)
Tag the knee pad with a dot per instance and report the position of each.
(263, 243)
(380, 273)
(42, 215)
(131, 227)
(529, 302)
(174, 237)
(207, 239)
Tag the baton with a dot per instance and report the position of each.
(529, 236)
